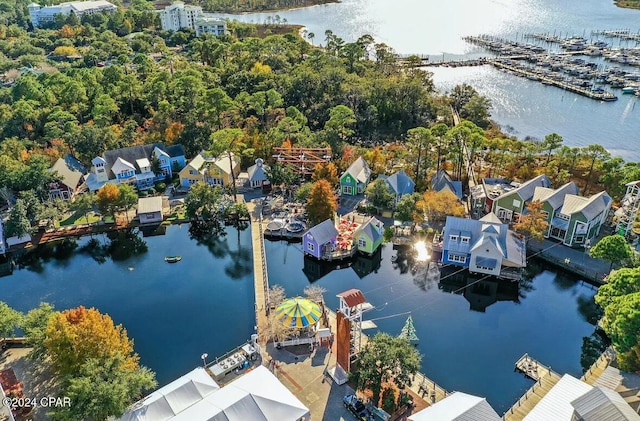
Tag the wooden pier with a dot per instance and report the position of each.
(260, 275)
(545, 379)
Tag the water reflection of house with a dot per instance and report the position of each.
(364, 265)
(315, 269)
(481, 293)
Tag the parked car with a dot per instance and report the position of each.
(355, 405)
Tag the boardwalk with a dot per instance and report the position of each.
(545, 380)
(260, 275)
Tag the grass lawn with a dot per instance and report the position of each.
(79, 219)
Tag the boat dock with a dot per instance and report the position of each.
(545, 379)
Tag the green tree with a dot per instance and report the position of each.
(419, 141)
(322, 203)
(613, 248)
(533, 223)
(550, 143)
(303, 192)
(18, 224)
(379, 194)
(385, 358)
(104, 388)
(34, 325)
(229, 142)
(476, 110)
(596, 156)
(127, 197)
(281, 174)
(622, 324)
(9, 320)
(406, 207)
(84, 204)
(341, 119)
(202, 202)
(621, 282)
(461, 95)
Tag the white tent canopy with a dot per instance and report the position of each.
(256, 396)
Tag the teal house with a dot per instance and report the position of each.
(368, 237)
(573, 219)
(355, 179)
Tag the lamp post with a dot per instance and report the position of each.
(204, 359)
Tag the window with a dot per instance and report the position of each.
(485, 268)
(453, 237)
(579, 238)
(311, 246)
(193, 172)
(362, 242)
(464, 240)
(563, 216)
(347, 190)
(457, 258)
(545, 214)
(516, 203)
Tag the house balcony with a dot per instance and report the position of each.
(338, 254)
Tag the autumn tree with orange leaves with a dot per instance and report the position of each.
(95, 362)
(326, 171)
(435, 206)
(322, 203)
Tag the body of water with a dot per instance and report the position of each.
(469, 340)
(173, 312)
(530, 108)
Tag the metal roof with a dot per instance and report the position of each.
(602, 404)
(555, 198)
(556, 404)
(442, 180)
(359, 170)
(458, 407)
(372, 228)
(590, 207)
(258, 171)
(352, 297)
(69, 176)
(149, 204)
(323, 232)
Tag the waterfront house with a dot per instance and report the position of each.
(68, 178)
(141, 166)
(442, 181)
(627, 213)
(573, 219)
(400, 184)
(571, 399)
(368, 236)
(484, 246)
(320, 239)
(150, 209)
(509, 203)
(458, 406)
(355, 179)
(256, 395)
(215, 171)
(257, 174)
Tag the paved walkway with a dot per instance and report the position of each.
(260, 275)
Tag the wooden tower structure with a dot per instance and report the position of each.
(302, 160)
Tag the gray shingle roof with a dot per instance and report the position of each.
(371, 230)
(69, 175)
(323, 232)
(133, 153)
(359, 170)
(443, 181)
(401, 183)
(258, 171)
(602, 404)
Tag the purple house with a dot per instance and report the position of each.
(320, 239)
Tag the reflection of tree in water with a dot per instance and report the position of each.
(124, 244)
(525, 284)
(592, 347)
(425, 275)
(589, 310)
(33, 260)
(214, 237)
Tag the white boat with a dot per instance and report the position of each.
(629, 89)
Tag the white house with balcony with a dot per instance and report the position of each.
(184, 16)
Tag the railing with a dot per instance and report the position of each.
(426, 383)
(263, 257)
(523, 398)
(606, 357)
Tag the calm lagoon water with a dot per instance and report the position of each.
(174, 312)
(464, 350)
(524, 107)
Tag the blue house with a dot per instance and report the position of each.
(135, 165)
(485, 246)
(400, 184)
(320, 240)
(442, 181)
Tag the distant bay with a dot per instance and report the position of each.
(524, 108)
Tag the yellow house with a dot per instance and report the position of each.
(214, 171)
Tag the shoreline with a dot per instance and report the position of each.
(626, 5)
(283, 9)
